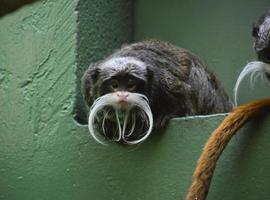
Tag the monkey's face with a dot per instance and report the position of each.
(261, 33)
(117, 92)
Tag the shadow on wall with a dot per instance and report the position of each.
(7, 6)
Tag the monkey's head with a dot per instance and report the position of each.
(261, 33)
(260, 68)
(117, 90)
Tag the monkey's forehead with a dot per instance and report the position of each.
(129, 65)
(266, 21)
(119, 63)
(264, 29)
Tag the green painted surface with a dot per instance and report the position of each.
(217, 31)
(44, 155)
(37, 64)
(243, 170)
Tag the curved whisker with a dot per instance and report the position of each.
(119, 127)
(121, 122)
(103, 122)
(91, 119)
(133, 121)
(255, 69)
(146, 108)
(125, 123)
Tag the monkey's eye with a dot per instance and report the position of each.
(114, 85)
(131, 85)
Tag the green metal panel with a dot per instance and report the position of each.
(217, 31)
(44, 155)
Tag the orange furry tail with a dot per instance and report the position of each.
(216, 144)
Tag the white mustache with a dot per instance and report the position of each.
(255, 70)
(135, 100)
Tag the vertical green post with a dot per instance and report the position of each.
(102, 27)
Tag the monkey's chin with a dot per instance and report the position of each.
(255, 70)
(130, 122)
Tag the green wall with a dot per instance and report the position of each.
(217, 31)
(45, 155)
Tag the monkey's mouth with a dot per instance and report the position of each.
(122, 104)
(130, 121)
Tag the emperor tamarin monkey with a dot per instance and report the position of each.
(260, 68)
(141, 86)
(219, 139)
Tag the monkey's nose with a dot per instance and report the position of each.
(122, 95)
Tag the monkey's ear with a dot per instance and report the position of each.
(255, 30)
(88, 80)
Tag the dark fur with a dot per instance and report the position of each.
(177, 82)
(261, 33)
